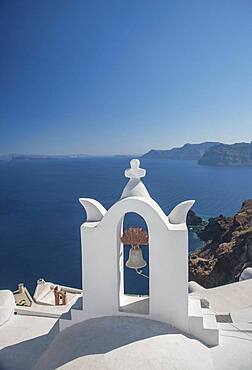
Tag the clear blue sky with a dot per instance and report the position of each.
(105, 77)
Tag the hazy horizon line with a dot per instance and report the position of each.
(113, 154)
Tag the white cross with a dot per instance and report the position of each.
(135, 172)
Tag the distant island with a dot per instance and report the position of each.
(186, 152)
(208, 153)
(15, 157)
(239, 154)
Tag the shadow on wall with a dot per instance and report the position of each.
(24, 355)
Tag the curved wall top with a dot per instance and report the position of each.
(136, 198)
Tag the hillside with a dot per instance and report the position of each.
(239, 154)
(186, 152)
(227, 250)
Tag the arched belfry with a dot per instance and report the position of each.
(102, 263)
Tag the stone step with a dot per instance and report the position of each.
(66, 316)
(209, 322)
(202, 323)
(208, 311)
(78, 305)
(194, 307)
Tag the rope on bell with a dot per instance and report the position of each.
(140, 272)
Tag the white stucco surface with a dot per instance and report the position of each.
(235, 349)
(246, 274)
(7, 305)
(23, 339)
(228, 298)
(44, 294)
(194, 287)
(129, 343)
(124, 343)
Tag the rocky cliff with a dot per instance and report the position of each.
(193, 219)
(227, 249)
(239, 154)
(186, 152)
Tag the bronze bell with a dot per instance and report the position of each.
(136, 260)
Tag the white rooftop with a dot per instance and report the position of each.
(124, 343)
(33, 342)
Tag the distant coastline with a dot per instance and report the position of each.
(35, 157)
(208, 154)
(239, 154)
(186, 152)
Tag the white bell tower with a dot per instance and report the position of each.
(167, 238)
(102, 265)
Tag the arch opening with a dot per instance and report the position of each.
(134, 271)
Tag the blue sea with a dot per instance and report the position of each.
(40, 215)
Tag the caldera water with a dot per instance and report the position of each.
(40, 215)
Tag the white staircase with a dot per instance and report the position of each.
(202, 323)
